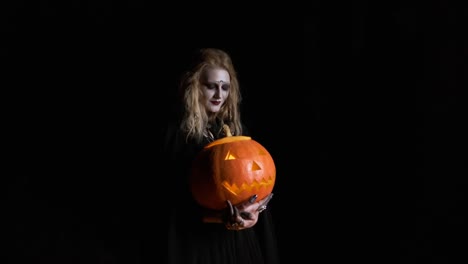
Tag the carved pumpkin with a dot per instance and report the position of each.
(231, 168)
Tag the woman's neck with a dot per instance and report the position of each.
(212, 118)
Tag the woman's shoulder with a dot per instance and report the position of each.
(169, 131)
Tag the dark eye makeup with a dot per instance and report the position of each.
(211, 86)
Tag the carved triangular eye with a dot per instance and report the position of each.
(229, 156)
(255, 166)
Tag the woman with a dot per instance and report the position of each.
(210, 98)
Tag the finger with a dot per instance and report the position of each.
(253, 198)
(230, 208)
(241, 223)
(266, 200)
(263, 204)
(236, 214)
(230, 223)
(248, 203)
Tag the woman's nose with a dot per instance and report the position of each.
(217, 93)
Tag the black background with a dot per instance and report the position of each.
(361, 106)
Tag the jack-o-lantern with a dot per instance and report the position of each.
(231, 168)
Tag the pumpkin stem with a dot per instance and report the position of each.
(227, 130)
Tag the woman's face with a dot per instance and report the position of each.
(216, 85)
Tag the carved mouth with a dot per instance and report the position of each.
(255, 185)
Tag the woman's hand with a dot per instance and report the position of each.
(245, 215)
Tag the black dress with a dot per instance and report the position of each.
(192, 241)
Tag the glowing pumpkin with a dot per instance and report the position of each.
(231, 168)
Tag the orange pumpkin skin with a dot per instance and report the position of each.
(232, 168)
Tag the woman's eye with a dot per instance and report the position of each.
(211, 86)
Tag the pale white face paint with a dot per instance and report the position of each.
(216, 87)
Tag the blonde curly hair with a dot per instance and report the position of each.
(195, 118)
